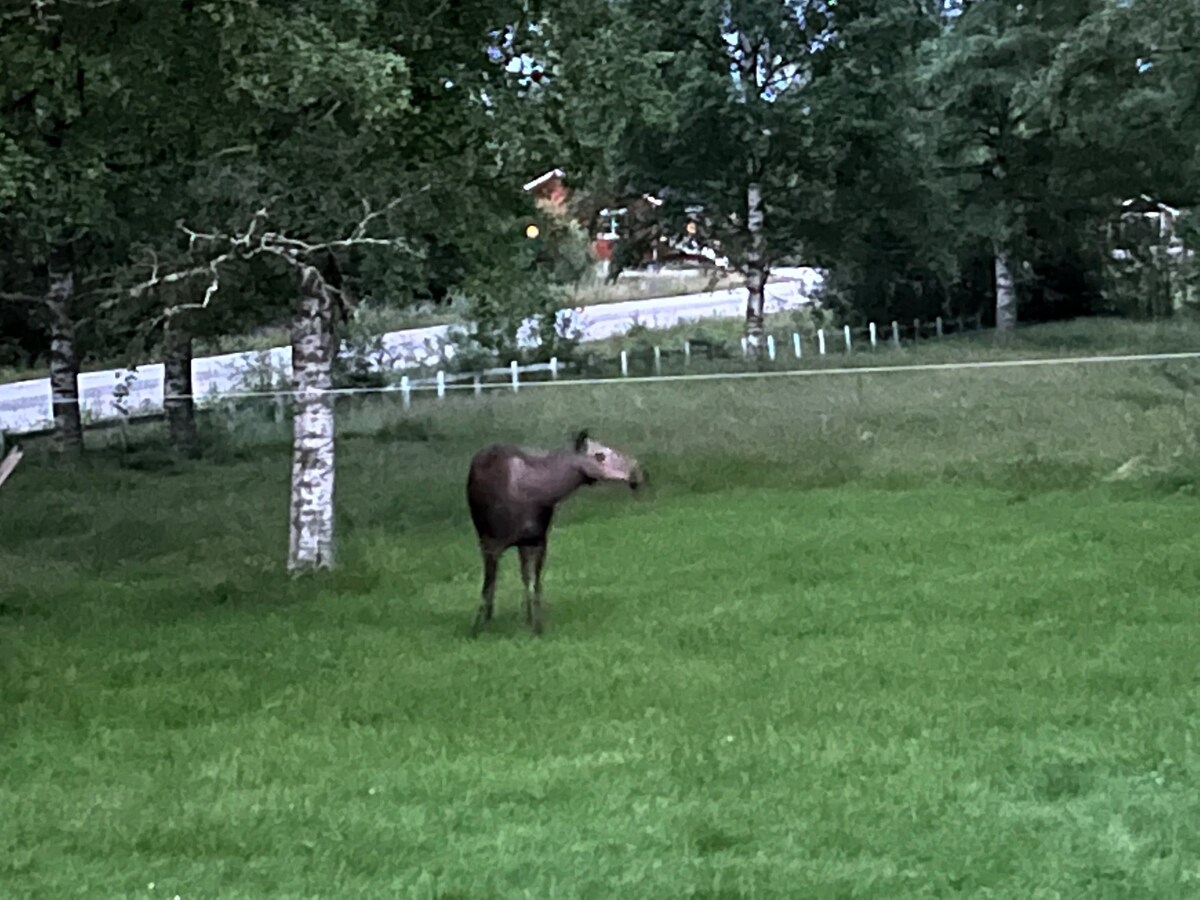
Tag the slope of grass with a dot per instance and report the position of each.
(904, 639)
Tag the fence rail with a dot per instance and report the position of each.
(139, 396)
(25, 406)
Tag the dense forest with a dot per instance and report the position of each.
(171, 169)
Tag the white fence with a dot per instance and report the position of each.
(25, 406)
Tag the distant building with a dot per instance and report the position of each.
(549, 191)
(552, 196)
(1151, 271)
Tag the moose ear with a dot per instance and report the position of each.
(581, 440)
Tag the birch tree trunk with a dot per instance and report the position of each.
(756, 275)
(314, 348)
(64, 359)
(179, 403)
(1006, 295)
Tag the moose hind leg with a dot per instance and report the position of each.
(487, 600)
(532, 558)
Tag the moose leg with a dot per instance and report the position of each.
(532, 558)
(487, 604)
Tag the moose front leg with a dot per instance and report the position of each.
(532, 558)
(487, 601)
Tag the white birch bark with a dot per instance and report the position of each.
(756, 274)
(64, 359)
(1006, 295)
(314, 348)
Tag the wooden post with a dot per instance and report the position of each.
(895, 333)
(441, 384)
(406, 391)
(821, 341)
(624, 364)
(516, 375)
(657, 360)
(554, 368)
(939, 327)
(916, 329)
(846, 334)
(478, 386)
(796, 343)
(771, 347)
(687, 352)
(874, 337)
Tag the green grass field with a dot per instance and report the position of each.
(916, 635)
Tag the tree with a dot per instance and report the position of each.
(888, 233)
(50, 182)
(343, 150)
(986, 77)
(703, 105)
(1124, 90)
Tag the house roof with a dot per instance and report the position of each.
(542, 179)
(1146, 203)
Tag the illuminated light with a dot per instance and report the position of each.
(532, 231)
(691, 227)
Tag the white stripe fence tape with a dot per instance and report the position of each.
(406, 387)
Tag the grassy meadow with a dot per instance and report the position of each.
(927, 634)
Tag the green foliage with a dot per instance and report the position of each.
(529, 281)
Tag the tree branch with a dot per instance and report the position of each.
(255, 241)
(20, 298)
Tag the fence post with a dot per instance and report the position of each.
(895, 333)
(821, 341)
(478, 386)
(516, 375)
(554, 368)
(406, 391)
(687, 352)
(874, 337)
(657, 360)
(441, 384)
(846, 333)
(916, 329)
(939, 327)
(771, 347)
(745, 347)
(796, 343)
(960, 328)
(624, 364)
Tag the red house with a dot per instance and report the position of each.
(549, 192)
(551, 195)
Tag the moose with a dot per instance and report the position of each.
(513, 492)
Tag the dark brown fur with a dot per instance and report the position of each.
(512, 494)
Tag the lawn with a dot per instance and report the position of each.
(919, 635)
